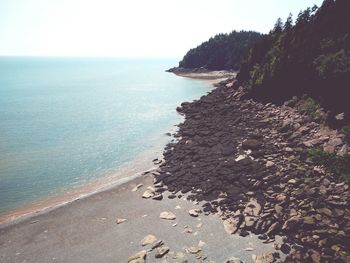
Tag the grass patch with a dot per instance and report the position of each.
(346, 131)
(311, 108)
(338, 165)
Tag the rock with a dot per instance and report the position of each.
(269, 164)
(329, 148)
(253, 208)
(281, 197)
(157, 244)
(199, 225)
(289, 150)
(249, 221)
(331, 144)
(201, 243)
(257, 259)
(194, 250)
(161, 251)
(158, 197)
(136, 187)
(149, 239)
(249, 249)
(167, 215)
(234, 260)
(240, 157)
(226, 151)
(139, 257)
(340, 116)
(188, 230)
(319, 170)
(194, 212)
(273, 228)
(325, 211)
(120, 220)
(316, 142)
(231, 225)
(326, 182)
(285, 248)
(148, 194)
(292, 181)
(270, 258)
(278, 209)
(308, 220)
(344, 150)
(336, 248)
(251, 144)
(315, 256)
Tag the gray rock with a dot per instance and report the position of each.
(273, 228)
(343, 150)
(120, 220)
(148, 194)
(139, 257)
(194, 212)
(231, 225)
(161, 251)
(291, 223)
(149, 239)
(167, 215)
(251, 144)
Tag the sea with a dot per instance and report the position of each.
(69, 122)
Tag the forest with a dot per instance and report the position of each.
(223, 51)
(310, 55)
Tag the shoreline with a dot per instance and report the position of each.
(235, 180)
(82, 225)
(125, 173)
(212, 77)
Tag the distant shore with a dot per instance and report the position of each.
(209, 76)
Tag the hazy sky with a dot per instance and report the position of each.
(130, 28)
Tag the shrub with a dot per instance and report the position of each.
(346, 131)
(338, 165)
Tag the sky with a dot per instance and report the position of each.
(130, 28)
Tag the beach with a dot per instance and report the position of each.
(234, 185)
(86, 230)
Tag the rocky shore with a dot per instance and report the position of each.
(235, 184)
(248, 163)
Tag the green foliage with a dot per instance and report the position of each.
(223, 51)
(334, 65)
(346, 131)
(310, 57)
(312, 109)
(338, 165)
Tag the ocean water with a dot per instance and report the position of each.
(67, 121)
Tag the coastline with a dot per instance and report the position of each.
(126, 173)
(236, 194)
(84, 223)
(129, 171)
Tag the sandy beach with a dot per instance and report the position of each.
(86, 231)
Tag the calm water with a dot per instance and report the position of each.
(65, 121)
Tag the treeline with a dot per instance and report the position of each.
(310, 56)
(223, 51)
